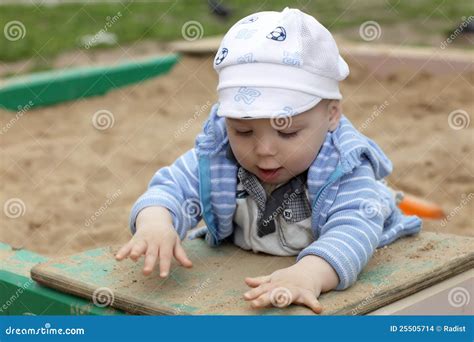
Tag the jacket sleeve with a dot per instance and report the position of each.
(353, 227)
(175, 187)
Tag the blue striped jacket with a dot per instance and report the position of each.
(353, 211)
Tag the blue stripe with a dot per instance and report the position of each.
(205, 194)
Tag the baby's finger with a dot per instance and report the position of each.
(256, 281)
(181, 256)
(150, 258)
(310, 301)
(262, 301)
(165, 260)
(124, 251)
(257, 291)
(138, 249)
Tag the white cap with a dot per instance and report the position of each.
(277, 63)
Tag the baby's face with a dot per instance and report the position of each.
(276, 150)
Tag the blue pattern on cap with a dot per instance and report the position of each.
(245, 33)
(291, 58)
(221, 56)
(247, 58)
(249, 20)
(278, 34)
(247, 95)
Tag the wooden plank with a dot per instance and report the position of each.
(215, 284)
(203, 46)
(451, 297)
(46, 88)
(20, 295)
(17, 260)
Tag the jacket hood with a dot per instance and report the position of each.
(353, 147)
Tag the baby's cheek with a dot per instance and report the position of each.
(246, 159)
(310, 150)
(296, 164)
(303, 156)
(240, 149)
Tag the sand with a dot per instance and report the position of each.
(73, 184)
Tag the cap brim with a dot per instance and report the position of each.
(263, 102)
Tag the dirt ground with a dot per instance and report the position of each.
(68, 186)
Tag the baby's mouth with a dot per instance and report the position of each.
(268, 174)
(265, 169)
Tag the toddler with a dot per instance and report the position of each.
(277, 168)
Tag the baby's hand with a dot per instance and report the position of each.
(301, 283)
(155, 237)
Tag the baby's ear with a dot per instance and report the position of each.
(334, 112)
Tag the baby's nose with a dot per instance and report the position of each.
(265, 147)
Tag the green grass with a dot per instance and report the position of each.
(51, 30)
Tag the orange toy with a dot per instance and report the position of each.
(411, 205)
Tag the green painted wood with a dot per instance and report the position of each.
(215, 283)
(51, 87)
(18, 261)
(20, 295)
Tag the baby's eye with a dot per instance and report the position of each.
(287, 135)
(244, 133)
